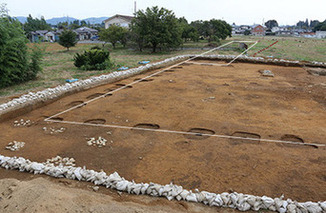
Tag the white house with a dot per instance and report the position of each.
(120, 20)
(320, 34)
(275, 29)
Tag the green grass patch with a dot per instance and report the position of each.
(58, 62)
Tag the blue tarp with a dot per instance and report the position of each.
(123, 68)
(144, 62)
(71, 80)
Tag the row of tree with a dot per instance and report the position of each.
(314, 25)
(307, 25)
(159, 28)
(155, 28)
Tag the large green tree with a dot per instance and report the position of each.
(113, 35)
(68, 39)
(16, 64)
(156, 27)
(271, 23)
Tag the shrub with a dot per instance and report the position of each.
(16, 64)
(93, 59)
(96, 48)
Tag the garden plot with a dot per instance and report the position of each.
(215, 128)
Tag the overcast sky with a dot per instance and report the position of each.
(238, 11)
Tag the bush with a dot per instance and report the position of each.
(16, 64)
(96, 48)
(94, 59)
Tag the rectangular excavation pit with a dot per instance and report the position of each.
(163, 154)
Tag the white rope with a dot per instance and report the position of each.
(208, 64)
(190, 133)
(242, 53)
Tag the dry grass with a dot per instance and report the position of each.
(58, 62)
(292, 48)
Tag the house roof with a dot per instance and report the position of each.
(41, 32)
(127, 18)
(85, 29)
(256, 25)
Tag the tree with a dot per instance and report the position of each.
(62, 25)
(303, 25)
(271, 23)
(321, 26)
(313, 23)
(213, 30)
(68, 39)
(220, 29)
(157, 28)
(33, 24)
(113, 35)
(188, 31)
(200, 27)
(247, 32)
(16, 64)
(75, 24)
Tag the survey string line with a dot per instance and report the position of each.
(191, 133)
(242, 53)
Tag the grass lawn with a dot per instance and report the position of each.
(58, 63)
(292, 48)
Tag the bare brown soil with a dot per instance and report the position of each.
(47, 195)
(234, 100)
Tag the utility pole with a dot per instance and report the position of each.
(135, 7)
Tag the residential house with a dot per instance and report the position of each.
(321, 34)
(284, 33)
(50, 36)
(308, 35)
(258, 30)
(275, 29)
(38, 35)
(240, 30)
(120, 20)
(85, 33)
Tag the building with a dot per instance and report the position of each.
(51, 36)
(85, 33)
(120, 20)
(240, 30)
(321, 34)
(258, 30)
(38, 35)
(308, 35)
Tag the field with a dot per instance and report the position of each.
(58, 63)
(212, 128)
(190, 125)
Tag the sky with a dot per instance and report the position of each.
(286, 12)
